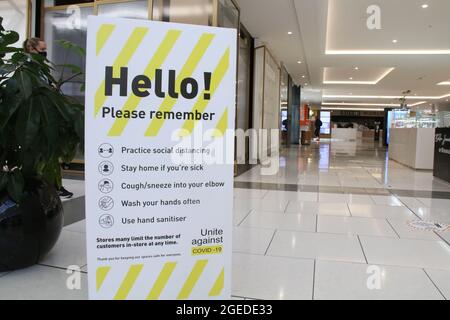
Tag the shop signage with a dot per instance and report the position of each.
(159, 113)
(442, 154)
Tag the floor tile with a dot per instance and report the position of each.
(290, 195)
(433, 214)
(445, 236)
(296, 222)
(406, 252)
(302, 207)
(441, 278)
(75, 186)
(251, 240)
(345, 198)
(435, 203)
(272, 278)
(79, 227)
(407, 232)
(354, 226)
(333, 209)
(239, 216)
(40, 282)
(249, 193)
(382, 212)
(69, 250)
(411, 202)
(264, 204)
(351, 281)
(316, 246)
(387, 201)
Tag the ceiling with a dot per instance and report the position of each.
(355, 55)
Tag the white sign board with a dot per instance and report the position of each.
(160, 103)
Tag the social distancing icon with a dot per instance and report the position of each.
(106, 150)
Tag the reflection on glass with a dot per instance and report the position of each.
(228, 14)
(67, 25)
(243, 107)
(130, 10)
(325, 117)
(198, 12)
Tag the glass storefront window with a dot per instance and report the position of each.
(131, 10)
(228, 16)
(443, 119)
(15, 17)
(72, 26)
(198, 12)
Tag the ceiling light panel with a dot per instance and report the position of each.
(348, 34)
(367, 76)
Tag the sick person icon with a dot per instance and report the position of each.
(106, 168)
(106, 150)
(105, 186)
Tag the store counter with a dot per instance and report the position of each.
(344, 134)
(413, 147)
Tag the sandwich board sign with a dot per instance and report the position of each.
(159, 149)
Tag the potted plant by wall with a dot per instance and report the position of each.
(39, 128)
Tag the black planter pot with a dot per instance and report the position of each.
(30, 230)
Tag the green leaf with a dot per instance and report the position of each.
(28, 121)
(52, 172)
(7, 68)
(8, 37)
(10, 104)
(24, 82)
(9, 50)
(15, 186)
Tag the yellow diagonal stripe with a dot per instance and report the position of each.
(216, 79)
(122, 60)
(103, 34)
(157, 60)
(218, 285)
(161, 281)
(222, 125)
(101, 274)
(187, 70)
(192, 279)
(128, 282)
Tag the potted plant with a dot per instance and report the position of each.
(39, 128)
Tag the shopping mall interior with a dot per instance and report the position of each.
(368, 195)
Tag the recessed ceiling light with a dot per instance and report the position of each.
(306, 84)
(356, 68)
(351, 78)
(303, 77)
(394, 41)
(424, 6)
(299, 62)
(290, 32)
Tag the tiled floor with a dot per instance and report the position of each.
(331, 224)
